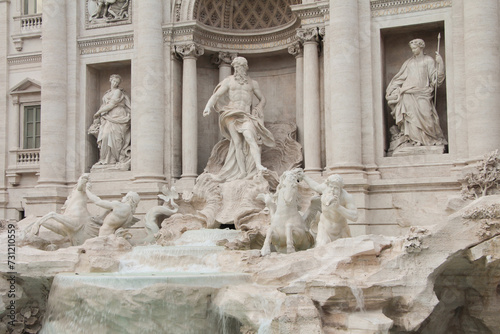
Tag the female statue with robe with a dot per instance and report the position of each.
(112, 127)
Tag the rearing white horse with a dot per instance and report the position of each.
(289, 230)
(75, 221)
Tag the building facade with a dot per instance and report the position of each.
(323, 65)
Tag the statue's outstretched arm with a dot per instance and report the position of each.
(98, 201)
(349, 211)
(319, 188)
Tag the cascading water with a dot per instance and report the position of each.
(157, 290)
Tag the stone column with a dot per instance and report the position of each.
(312, 118)
(54, 94)
(148, 107)
(225, 59)
(297, 51)
(482, 70)
(189, 53)
(344, 151)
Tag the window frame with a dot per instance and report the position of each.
(37, 125)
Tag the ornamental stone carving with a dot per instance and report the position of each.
(308, 34)
(102, 13)
(191, 50)
(296, 50)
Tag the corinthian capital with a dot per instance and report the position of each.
(191, 50)
(308, 34)
(223, 58)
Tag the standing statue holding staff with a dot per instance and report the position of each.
(239, 123)
(410, 96)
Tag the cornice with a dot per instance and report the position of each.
(24, 59)
(101, 44)
(231, 41)
(395, 7)
(312, 13)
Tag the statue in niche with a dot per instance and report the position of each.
(337, 206)
(241, 124)
(119, 214)
(410, 96)
(111, 127)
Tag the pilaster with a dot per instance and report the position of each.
(482, 71)
(54, 94)
(344, 152)
(148, 102)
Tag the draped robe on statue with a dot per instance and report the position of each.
(243, 120)
(414, 110)
(114, 133)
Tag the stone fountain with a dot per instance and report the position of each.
(275, 269)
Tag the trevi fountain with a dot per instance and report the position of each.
(235, 166)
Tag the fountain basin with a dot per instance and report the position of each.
(138, 303)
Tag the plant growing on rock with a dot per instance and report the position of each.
(484, 179)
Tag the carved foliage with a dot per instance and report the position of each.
(189, 50)
(485, 179)
(414, 240)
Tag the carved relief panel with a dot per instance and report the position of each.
(104, 13)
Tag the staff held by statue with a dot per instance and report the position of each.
(436, 80)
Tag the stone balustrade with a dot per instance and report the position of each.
(29, 157)
(31, 22)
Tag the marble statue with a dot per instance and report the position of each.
(119, 214)
(75, 221)
(411, 97)
(289, 230)
(337, 206)
(112, 127)
(240, 122)
(155, 215)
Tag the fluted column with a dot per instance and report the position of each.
(297, 51)
(312, 118)
(148, 107)
(54, 94)
(189, 53)
(344, 151)
(482, 70)
(225, 59)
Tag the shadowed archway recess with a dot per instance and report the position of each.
(244, 14)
